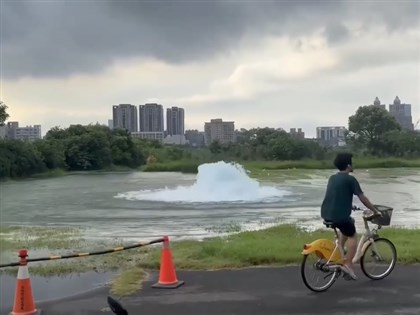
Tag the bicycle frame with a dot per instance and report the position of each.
(367, 238)
(334, 252)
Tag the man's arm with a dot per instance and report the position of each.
(357, 190)
(367, 203)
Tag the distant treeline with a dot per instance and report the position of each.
(79, 147)
(372, 132)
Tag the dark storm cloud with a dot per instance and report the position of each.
(58, 38)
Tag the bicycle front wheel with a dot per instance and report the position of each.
(314, 274)
(379, 259)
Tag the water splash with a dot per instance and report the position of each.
(215, 182)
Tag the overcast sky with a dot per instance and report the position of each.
(260, 63)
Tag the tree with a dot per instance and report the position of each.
(403, 143)
(52, 152)
(3, 113)
(215, 147)
(19, 159)
(368, 126)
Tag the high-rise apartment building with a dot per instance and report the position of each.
(175, 120)
(402, 114)
(151, 135)
(217, 129)
(151, 118)
(299, 134)
(124, 116)
(195, 138)
(13, 131)
(333, 136)
(377, 102)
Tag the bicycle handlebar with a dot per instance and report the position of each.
(372, 216)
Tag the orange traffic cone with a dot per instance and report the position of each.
(24, 301)
(167, 275)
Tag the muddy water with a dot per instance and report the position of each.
(142, 206)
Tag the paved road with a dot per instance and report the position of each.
(260, 291)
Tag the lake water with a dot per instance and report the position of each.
(143, 206)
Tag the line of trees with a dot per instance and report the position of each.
(372, 131)
(92, 147)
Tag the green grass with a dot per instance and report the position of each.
(47, 174)
(360, 163)
(51, 173)
(62, 172)
(128, 281)
(14, 238)
(276, 246)
(191, 166)
(279, 245)
(173, 166)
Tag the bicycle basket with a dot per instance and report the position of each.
(386, 215)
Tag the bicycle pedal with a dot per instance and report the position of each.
(347, 277)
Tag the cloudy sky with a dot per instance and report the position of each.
(260, 63)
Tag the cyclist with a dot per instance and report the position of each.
(338, 204)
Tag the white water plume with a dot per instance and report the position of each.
(215, 182)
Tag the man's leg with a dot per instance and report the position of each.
(348, 229)
(343, 238)
(351, 250)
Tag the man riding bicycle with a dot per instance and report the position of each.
(338, 203)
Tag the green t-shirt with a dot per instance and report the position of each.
(338, 200)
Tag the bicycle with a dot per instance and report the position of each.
(330, 255)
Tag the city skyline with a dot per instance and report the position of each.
(136, 121)
(279, 73)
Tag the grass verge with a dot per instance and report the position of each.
(62, 172)
(279, 245)
(360, 163)
(173, 166)
(128, 281)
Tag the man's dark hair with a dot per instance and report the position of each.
(342, 160)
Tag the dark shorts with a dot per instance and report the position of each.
(346, 227)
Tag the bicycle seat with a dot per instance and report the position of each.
(329, 224)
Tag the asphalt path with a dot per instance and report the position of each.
(257, 291)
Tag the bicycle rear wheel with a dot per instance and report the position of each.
(379, 259)
(313, 270)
